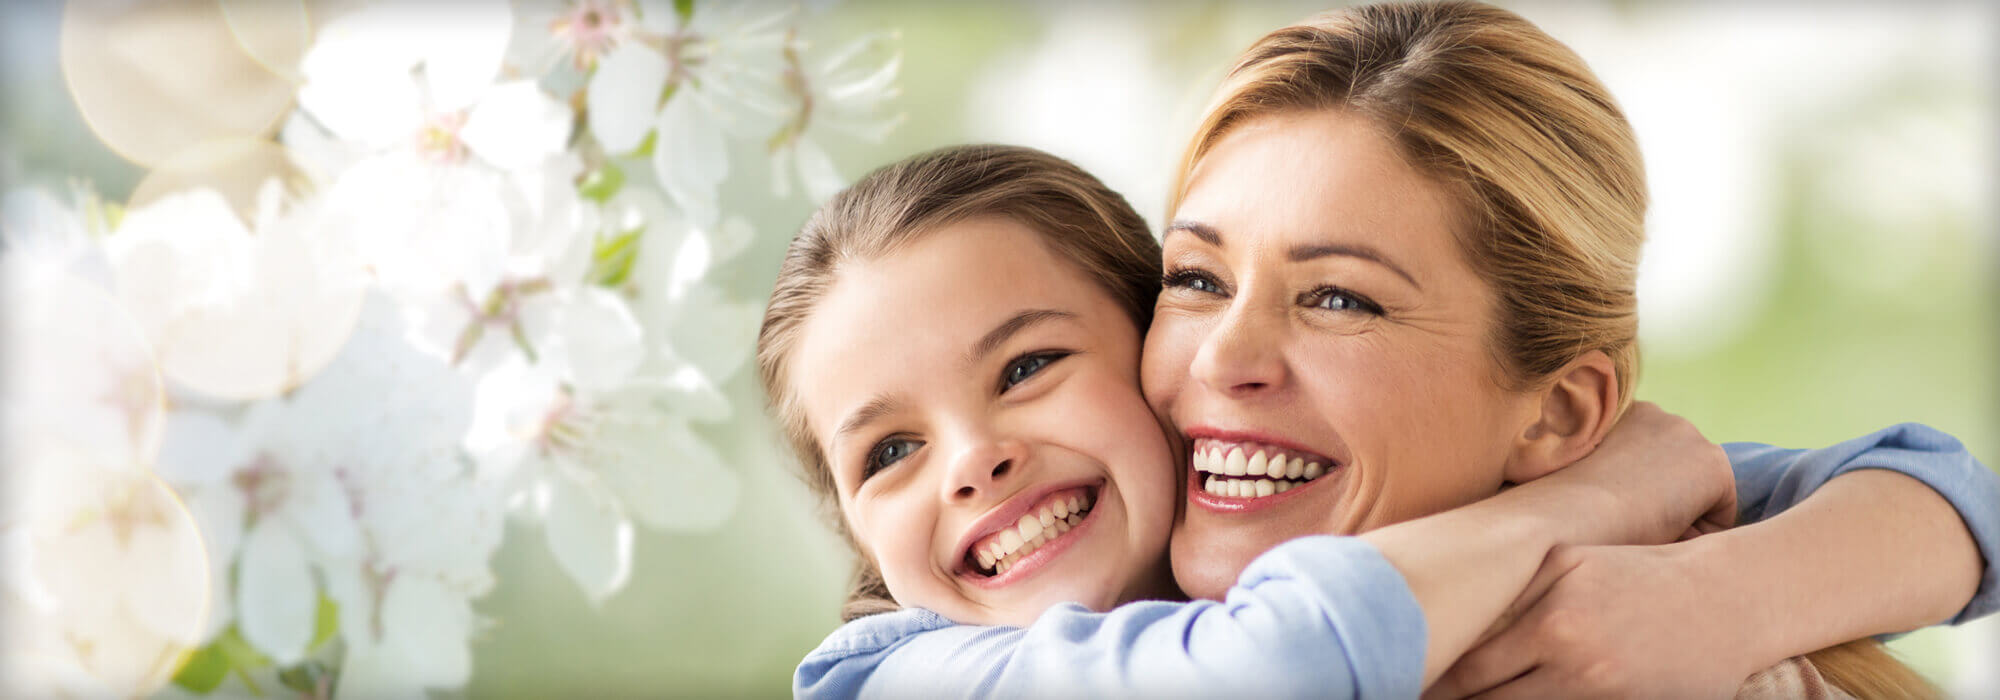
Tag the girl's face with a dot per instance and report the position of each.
(1318, 310)
(978, 401)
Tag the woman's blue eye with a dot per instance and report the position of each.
(1192, 280)
(1022, 368)
(1336, 299)
(888, 452)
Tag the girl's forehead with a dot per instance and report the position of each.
(907, 322)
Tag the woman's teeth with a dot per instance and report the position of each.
(1262, 472)
(1053, 518)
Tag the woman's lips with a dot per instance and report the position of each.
(1240, 473)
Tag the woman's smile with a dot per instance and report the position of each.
(1242, 472)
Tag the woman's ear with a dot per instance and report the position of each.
(1577, 410)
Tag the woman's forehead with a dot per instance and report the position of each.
(1317, 178)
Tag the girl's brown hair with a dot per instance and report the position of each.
(1079, 219)
(1543, 165)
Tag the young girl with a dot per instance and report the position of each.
(952, 349)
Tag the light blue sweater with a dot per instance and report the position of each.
(1318, 616)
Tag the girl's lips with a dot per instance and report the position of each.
(1009, 512)
(1035, 561)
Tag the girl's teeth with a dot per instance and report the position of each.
(1313, 471)
(1004, 549)
(1296, 468)
(1256, 465)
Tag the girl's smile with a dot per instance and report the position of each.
(978, 402)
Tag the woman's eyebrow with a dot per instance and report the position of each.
(1200, 230)
(1302, 253)
(1015, 324)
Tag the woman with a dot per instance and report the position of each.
(1407, 235)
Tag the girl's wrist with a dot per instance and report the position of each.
(1716, 567)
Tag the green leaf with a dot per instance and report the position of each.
(204, 669)
(601, 184)
(239, 652)
(326, 622)
(645, 149)
(611, 261)
(684, 8)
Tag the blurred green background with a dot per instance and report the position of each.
(1822, 264)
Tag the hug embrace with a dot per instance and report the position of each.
(1359, 423)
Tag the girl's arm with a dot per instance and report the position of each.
(1915, 514)
(1896, 530)
(1378, 615)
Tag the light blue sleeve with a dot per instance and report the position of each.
(1322, 616)
(1771, 479)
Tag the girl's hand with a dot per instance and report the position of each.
(1664, 480)
(1576, 639)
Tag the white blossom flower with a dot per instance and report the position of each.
(355, 479)
(845, 93)
(704, 66)
(231, 313)
(585, 441)
(105, 579)
(415, 84)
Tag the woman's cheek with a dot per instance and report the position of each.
(1164, 364)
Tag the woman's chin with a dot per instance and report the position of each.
(1208, 560)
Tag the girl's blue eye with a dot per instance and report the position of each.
(1024, 367)
(887, 453)
(1337, 299)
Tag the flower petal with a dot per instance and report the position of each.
(590, 538)
(691, 156)
(275, 596)
(816, 169)
(428, 627)
(652, 472)
(713, 332)
(464, 44)
(516, 125)
(624, 96)
(601, 341)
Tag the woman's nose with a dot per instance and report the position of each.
(1242, 356)
(982, 467)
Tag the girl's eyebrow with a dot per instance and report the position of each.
(1020, 321)
(875, 408)
(883, 404)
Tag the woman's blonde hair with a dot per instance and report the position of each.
(1079, 219)
(1543, 165)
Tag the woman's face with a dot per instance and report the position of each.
(1318, 306)
(978, 401)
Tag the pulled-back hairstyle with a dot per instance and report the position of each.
(1077, 217)
(1544, 169)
